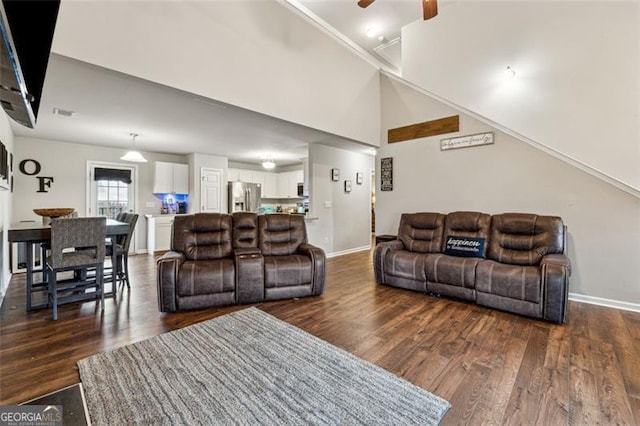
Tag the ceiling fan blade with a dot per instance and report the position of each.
(365, 3)
(429, 9)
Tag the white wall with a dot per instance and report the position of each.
(259, 55)
(577, 63)
(196, 163)
(346, 224)
(67, 164)
(6, 199)
(511, 176)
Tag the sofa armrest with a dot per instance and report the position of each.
(249, 265)
(555, 270)
(318, 262)
(380, 253)
(168, 266)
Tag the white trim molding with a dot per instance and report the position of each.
(625, 306)
(349, 251)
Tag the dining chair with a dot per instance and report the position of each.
(122, 245)
(67, 234)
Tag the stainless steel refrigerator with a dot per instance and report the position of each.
(244, 197)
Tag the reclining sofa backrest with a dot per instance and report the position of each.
(523, 239)
(281, 234)
(422, 232)
(469, 225)
(245, 230)
(203, 236)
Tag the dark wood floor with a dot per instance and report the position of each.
(494, 367)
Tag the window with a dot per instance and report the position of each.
(112, 198)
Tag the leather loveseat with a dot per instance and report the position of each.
(222, 259)
(515, 262)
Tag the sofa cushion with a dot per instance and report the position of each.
(523, 239)
(284, 271)
(515, 282)
(421, 232)
(456, 271)
(281, 234)
(203, 236)
(405, 264)
(245, 230)
(206, 277)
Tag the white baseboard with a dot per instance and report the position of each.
(353, 250)
(626, 306)
(141, 251)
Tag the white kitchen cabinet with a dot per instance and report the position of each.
(233, 175)
(270, 187)
(288, 183)
(171, 178)
(181, 178)
(295, 177)
(239, 175)
(159, 233)
(258, 177)
(273, 185)
(283, 185)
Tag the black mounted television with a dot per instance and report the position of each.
(26, 28)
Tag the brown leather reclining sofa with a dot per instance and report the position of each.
(222, 259)
(515, 262)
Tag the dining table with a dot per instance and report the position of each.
(31, 233)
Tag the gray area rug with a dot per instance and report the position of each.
(247, 368)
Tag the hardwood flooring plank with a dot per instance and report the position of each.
(584, 404)
(465, 400)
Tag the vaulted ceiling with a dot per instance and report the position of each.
(107, 104)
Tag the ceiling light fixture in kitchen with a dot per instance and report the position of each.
(133, 155)
(268, 163)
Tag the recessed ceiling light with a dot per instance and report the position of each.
(64, 112)
(509, 73)
(372, 31)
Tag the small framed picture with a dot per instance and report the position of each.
(335, 175)
(347, 186)
(359, 178)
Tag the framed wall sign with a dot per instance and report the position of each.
(466, 141)
(335, 175)
(386, 174)
(359, 178)
(347, 186)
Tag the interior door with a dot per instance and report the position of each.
(211, 190)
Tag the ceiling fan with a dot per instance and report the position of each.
(429, 7)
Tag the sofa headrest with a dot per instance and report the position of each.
(281, 234)
(245, 230)
(203, 236)
(523, 239)
(468, 225)
(422, 232)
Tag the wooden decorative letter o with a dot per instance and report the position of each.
(36, 167)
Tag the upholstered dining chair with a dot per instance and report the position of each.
(122, 244)
(66, 234)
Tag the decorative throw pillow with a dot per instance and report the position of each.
(464, 246)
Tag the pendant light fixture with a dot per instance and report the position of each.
(133, 155)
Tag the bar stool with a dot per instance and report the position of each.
(88, 233)
(122, 245)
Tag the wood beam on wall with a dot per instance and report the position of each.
(423, 130)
